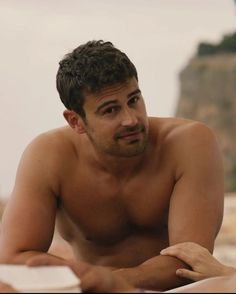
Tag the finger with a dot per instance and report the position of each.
(174, 249)
(187, 274)
(177, 252)
(169, 250)
(6, 288)
(189, 247)
(45, 259)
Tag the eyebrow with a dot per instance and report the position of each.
(105, 104)
(135, 92)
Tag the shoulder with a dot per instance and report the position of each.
(179, 130)
(45, 159)
(49, 147)
(52, 140)
(181, 141)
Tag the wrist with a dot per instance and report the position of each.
(131, 275)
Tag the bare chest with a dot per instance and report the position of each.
(107, 211)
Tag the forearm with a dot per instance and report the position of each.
(157, 273)
(20, 257)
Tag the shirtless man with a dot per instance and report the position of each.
(121, 185)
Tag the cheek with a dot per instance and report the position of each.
(102, 129)
(101, 133)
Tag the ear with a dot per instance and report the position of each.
(74, 121)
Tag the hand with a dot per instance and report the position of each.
(79, 268)
(6, 288)
(92, 278)
(45, 259)
(203, 264)
(99, 279)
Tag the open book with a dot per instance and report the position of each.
(54, 279)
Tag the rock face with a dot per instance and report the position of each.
(208, 94)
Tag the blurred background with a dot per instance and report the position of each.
(184, 51)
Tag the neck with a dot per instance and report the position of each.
(122, 167)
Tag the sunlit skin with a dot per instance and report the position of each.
(122, 187)
(203, 264)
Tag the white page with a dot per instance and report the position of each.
(41, 278)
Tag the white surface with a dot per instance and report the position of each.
(40, 279)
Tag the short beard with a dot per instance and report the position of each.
(134, 148)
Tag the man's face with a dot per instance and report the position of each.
(116, 120)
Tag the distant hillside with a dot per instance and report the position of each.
(208, 94)
(226, 45)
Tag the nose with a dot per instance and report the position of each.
(129, 118)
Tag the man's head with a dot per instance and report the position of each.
(90, 68)
(98, 84)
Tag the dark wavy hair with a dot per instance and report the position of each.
(91, 67)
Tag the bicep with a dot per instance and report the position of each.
(196, 205)
(29, 218)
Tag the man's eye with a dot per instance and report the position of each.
(110, 110)
(133, 100)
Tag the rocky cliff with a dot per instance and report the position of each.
(208, 94)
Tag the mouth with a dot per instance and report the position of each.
(131, 134)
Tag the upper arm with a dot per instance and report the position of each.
(196, 205)
(29, 218)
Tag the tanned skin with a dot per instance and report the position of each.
(122, 186)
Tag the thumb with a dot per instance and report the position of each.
(45, 259)
(188, 274)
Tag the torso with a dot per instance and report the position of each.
(113, 221)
